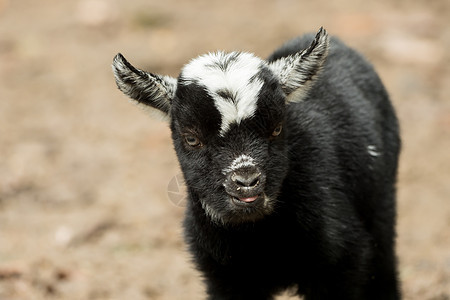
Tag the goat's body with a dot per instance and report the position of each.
(290, 166)
(332, 232)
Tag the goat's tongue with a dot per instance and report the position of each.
(250, 199)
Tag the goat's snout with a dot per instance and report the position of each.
(245, 184)
(246, 179)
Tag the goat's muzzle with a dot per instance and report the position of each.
(245, 184)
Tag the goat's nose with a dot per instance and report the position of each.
(246, 179)
(246, 182)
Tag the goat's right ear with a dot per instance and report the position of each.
(154, 93)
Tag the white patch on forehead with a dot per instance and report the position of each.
(233, 74)
(239, 162)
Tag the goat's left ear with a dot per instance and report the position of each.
(297, 72)
(153, 93)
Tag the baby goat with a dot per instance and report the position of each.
(290, 165)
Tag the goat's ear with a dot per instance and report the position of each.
(154, 93)
(297, 72)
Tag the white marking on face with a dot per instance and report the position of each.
(212, 213)
(373, 151)
(231, 80)
(268, 203)
(239, 162)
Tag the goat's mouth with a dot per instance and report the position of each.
(240, 209)
(247, 201)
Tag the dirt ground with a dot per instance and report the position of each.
(85, 211)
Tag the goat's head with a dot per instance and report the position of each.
(226, 112)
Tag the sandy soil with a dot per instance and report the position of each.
(84, 176)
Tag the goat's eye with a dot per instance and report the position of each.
(277, 130)
(192, 140)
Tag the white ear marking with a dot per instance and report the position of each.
(296, 72)
(151, 92)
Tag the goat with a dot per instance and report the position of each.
(290, 165)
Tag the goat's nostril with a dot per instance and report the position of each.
(246, 180)
(254, 182)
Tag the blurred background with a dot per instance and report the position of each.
(84, 176)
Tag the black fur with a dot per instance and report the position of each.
(332, 232)
(329, 227)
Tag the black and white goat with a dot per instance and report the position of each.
(290, 165)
